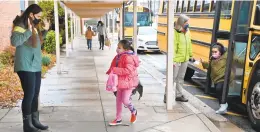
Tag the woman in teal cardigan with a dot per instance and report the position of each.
(27, 38)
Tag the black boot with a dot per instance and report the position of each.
(181, 99)
(27, 124)
(36, 122)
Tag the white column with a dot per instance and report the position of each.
(67, 31)
(36, 1)
(135, 26)
(71, 30)
(74, 25)
(79, 29)
(121, 23)
(57, 36)
(113, 24)
(170, 39)
(108, 22)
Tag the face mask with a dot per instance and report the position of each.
(216, 55)
(186, 26)
(118, 51)
(36, 21)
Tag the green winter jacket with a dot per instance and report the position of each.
(27, 58)
(218, 68)
(182, 46)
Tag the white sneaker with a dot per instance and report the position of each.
(222, 109)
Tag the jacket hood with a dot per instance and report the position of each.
(18, 22)
(181, 20)
(132, 55)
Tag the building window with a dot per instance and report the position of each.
(22, 5)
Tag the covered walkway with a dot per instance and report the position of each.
(76, 100)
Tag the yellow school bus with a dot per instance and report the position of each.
(143, 19)
(245, 46)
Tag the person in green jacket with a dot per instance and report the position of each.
(27, 38)
(182, 54)
(218, 67)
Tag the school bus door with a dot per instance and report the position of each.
(251, 83)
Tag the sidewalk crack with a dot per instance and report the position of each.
(103, 111)
(5, 114)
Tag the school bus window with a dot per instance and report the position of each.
(180, 6)
(177, 6)
(255, 46)
(198, 5)
(165, 6)
(257, 14)
(226, 7)
(213, 5)
(206, 5)
(185, 6)
(191, 5)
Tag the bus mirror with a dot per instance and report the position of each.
(257, 13)
(241, 38)
(223, 35)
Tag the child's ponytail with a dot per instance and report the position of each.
(126, 45)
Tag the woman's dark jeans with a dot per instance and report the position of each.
(31, 83)
(101, 41)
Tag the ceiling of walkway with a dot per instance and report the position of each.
(91, 8)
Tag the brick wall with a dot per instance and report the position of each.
(8, 11)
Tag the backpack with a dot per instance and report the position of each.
(112, 82)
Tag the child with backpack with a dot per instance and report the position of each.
(125, 65)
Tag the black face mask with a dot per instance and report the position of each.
(36, 21)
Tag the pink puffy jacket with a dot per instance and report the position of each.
(126, 70)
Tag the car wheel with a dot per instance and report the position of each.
(140, 51)
(189, 73)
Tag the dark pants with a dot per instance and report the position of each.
(89, 42)
(101, 41)
(219, 90)
(31, 83)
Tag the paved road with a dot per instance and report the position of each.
(237, 117)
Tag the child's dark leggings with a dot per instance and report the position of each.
(219, 89)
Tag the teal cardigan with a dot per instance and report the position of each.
(27, 58)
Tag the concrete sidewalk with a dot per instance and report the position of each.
(76, 100)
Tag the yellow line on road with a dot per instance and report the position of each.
(191, 85)
(206, 97)
(235, 114)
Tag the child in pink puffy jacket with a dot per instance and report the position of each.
(125, 66)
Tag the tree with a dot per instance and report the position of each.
(48, 10)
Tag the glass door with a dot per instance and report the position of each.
(240, 49)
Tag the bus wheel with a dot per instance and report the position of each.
(189, 73)
(253, 105)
